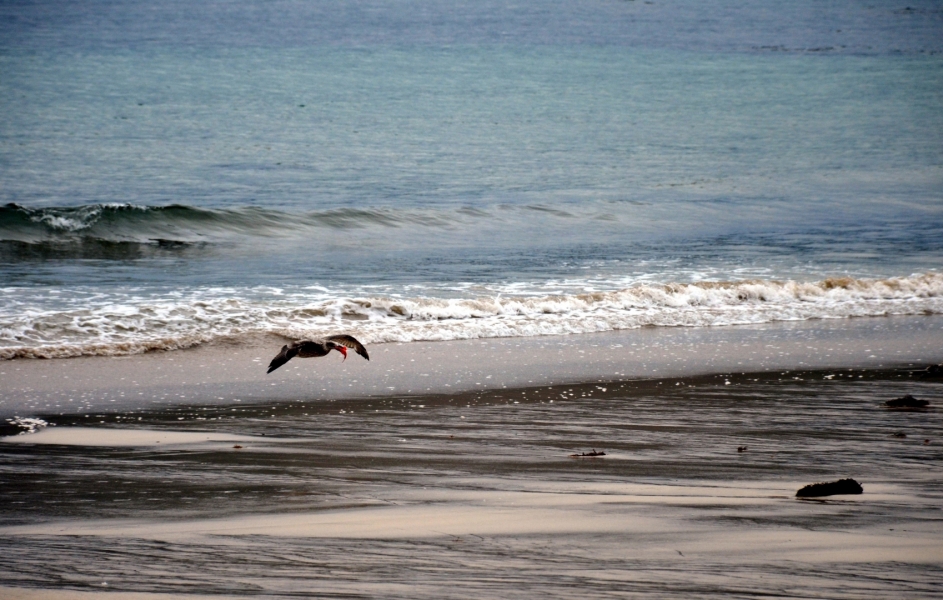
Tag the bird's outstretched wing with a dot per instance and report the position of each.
(283, 357)
(350, 342)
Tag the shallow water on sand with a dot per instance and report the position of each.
(476, 495)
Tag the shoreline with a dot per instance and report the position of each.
(221, 374)
(175, 424)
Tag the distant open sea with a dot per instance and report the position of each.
(173, 173)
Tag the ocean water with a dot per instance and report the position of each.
(173, 174)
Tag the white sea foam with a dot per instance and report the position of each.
(100, 324)
(74, 222)
(80, 218)
(28, 424)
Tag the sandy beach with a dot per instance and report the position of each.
(444, 470)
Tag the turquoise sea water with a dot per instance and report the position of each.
(323, 156)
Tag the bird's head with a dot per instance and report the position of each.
(339, 348)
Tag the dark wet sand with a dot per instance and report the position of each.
(475, 495)
(221, 373)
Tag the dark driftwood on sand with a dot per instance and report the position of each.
(593, 453)
(907, 401)
(832, 488)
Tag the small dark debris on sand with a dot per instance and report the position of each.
(899, 434)
(931, 372)
(741, 448)
(907, 401)
(832, 488)
(589, 454)
(237, 447)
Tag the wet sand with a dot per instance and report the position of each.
(474, 494)
(639, 512)
(220, 373)
(9, 593)
(108, 438)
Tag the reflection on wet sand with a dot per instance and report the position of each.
(476, 494)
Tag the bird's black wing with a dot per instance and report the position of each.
(283, 357)
(350, 342)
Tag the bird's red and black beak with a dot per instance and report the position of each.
(342, 350)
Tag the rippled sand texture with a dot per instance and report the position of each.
(476, 495)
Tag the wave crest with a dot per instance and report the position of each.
(178, 223)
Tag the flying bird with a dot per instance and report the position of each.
(317, 348)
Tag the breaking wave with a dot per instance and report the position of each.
(102, 324)
(180, 224)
